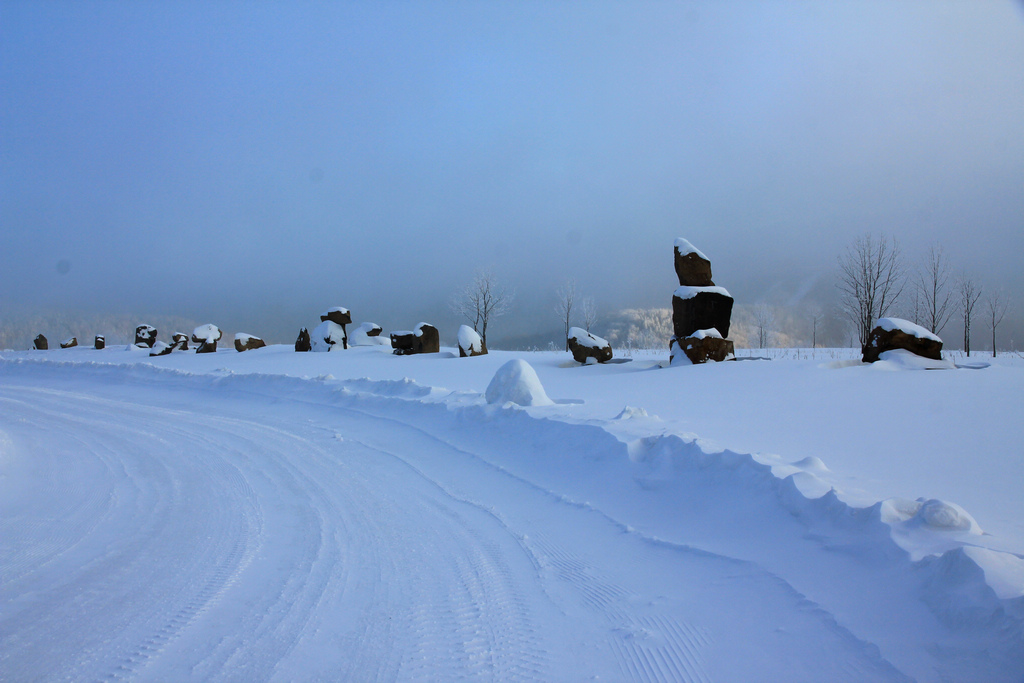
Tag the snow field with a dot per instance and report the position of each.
(388, 529)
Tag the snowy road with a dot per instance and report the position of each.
(177, 527)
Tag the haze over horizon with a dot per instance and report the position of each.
(254, 164)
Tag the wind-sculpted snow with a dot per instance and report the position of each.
(161, 524)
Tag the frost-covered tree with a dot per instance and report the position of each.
(969, 292)
(871, 278)
(588, 309)
(764, 319)
(933, 291)
(566, 300)
(481, 301)
(995, 309)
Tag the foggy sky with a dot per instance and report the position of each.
(252, 164)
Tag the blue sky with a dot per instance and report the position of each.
(244, 161)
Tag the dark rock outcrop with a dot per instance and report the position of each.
(161, 349)
(146, 335)
(700, 308)
(179, 341)
(302, 341)
(40, 343)
(692, 268)
(585, 346)
(896, 333)
(68, 343)
(424, 338)
(339, 316)
(701, 348)
(100, 342)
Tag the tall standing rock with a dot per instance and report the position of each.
(145, 335)
(40, 343)
(701, 311)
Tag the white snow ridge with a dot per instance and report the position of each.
(307, 516)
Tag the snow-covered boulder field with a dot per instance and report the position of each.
(344, 516)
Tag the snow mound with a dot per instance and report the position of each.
(933, 513)
(901, 359)
(516, 382)
(361, 336)
(907, 327)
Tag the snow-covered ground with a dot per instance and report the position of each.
(363, 516)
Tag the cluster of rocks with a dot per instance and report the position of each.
(701, 311)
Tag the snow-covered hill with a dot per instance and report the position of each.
(362, 516)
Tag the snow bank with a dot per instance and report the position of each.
(516, 382)
(901, 359)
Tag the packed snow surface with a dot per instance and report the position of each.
(372, 517)
(684, 247)
(907, 327)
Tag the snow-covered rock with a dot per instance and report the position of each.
(338, 315)
(588, 348)
(145, 334)
(247, 342)
(692, 267)
(516, 382)
(302, 342)
(327, 336)
(99, 342)
(895, 333)
(69, 342)
(470, 343)
(207, 337)
(424, 338)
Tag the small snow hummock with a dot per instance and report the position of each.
(361, 336)
(704, 334)
(685, 292)
(907, 327)
(683, 247)
(516, 382)
(584, 338)
(470, 340)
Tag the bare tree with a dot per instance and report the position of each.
(933, 291)
(995, 308)
(969, 292)
(871, 278)
(764, 319)
(563, 306)
(589, 312)
(481, 301)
